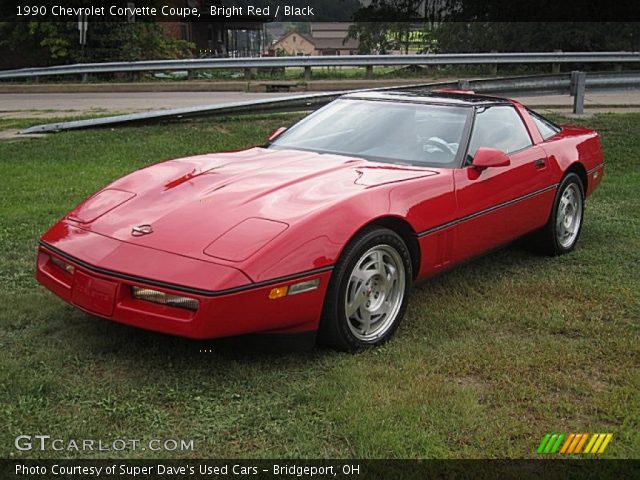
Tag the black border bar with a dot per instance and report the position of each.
(347, 11)
(544, 467)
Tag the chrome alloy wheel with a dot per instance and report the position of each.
(569, 216)
(374, 293)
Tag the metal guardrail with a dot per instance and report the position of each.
(285, 104)
(574, 83)
(368, 61)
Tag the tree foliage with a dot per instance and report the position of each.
(478, 26)
(300, 27)
(58, 42)
(537, 36)
(380, 26)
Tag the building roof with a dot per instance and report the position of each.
(332, 36)
(325, 43)
(276, 32)
(329, 26)
(302, 35)
(307, 37)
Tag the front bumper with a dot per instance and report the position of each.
(237, 311)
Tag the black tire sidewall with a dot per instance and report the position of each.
(334, 324)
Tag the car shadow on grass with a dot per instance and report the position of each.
(136, 343)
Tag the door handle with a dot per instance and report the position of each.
(540, 163)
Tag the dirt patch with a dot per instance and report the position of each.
(14, 134)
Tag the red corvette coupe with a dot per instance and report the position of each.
(325, 228)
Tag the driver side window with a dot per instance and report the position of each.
(498, 127)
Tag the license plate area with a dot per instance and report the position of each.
(93, 294)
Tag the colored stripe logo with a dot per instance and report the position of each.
(574, 443)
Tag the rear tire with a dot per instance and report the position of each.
(561, 233)
(368, 292)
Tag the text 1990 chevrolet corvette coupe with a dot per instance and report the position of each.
(326, 227)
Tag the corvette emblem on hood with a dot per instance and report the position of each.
(140, 230)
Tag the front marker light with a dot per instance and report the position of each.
(162, 298)
(304, 286)
(278, 292)
(283, 291)
(63, 265)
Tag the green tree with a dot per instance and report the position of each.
(300, 27)
(373, 37)
(537, 36)
(57, 42)
(385, 25)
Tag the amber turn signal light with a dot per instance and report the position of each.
(278, 292)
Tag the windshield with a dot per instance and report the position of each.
(419, 134)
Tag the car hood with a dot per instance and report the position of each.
(183, 206)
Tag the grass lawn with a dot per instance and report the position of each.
(490, 357)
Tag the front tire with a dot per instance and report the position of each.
(562, 231)
(367, 294)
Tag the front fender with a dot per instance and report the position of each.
(315, 241)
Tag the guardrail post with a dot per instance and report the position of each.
(493, 70)
(555, 67)
(307, 74)
(578, 85)
(85, 77)
(369, 72)
(247, 74)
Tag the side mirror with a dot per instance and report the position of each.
(490, 157)
(276, 133)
